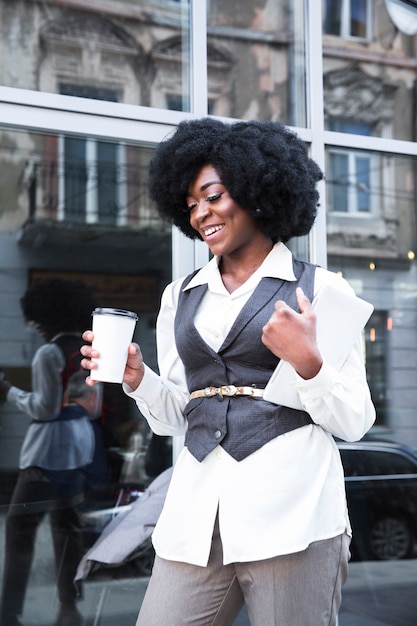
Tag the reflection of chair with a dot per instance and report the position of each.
(126, 539)
(123, 552)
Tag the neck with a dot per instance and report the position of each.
(236, 270)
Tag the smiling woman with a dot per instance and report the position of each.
(221, 332)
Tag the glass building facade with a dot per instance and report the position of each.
(87, 89)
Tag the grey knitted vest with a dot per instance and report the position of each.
(241, 424)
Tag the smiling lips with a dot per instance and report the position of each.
(212, 229)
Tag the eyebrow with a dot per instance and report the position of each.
(204, 187)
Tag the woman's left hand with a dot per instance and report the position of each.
(292, 336)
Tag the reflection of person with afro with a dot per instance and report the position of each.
(51, 476)
(55, 306)
(256, 508)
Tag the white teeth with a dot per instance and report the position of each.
(212, 230)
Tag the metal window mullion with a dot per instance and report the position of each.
(376, 144)
(198, 74)
(188, 255)
(315, 107)
(297, 74)
(53, 113)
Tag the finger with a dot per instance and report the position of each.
(88, 364)
(303, 302)
(282, 311)
(280, 304)
(89, 352)
(133, 349)
(88, 335)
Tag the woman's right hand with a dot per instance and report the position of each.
(135, 368)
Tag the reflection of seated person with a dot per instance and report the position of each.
(79, 401)
(82, 409)
(56, 487)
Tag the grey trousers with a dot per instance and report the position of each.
(301, 589)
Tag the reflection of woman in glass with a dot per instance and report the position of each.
(256, 508)
(52, 461)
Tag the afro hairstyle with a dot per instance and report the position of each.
(264, 166)
(58, 305)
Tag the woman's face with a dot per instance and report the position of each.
(222, 224)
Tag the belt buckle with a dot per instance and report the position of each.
(227, 390)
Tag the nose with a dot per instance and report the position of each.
(201, 210)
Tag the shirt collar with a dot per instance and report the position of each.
(278, 264)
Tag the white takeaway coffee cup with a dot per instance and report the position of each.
(113, 332)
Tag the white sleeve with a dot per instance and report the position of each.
(340, 401)
(45, 399)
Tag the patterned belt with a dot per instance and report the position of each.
(227, 390)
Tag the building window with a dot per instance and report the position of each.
(350, 172)
(349, 182)
(89, 179)
(347, 18)
(89, 182)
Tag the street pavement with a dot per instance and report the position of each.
(380, 594)
(376, 593)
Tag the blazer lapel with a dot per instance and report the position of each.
(194, 297)
(266, 291)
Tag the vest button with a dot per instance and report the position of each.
(218, 434)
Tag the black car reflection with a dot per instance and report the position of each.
(381, 487)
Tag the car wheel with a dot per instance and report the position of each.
(391, 538)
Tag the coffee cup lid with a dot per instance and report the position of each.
(108, 311)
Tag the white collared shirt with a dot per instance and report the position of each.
(288, 493)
